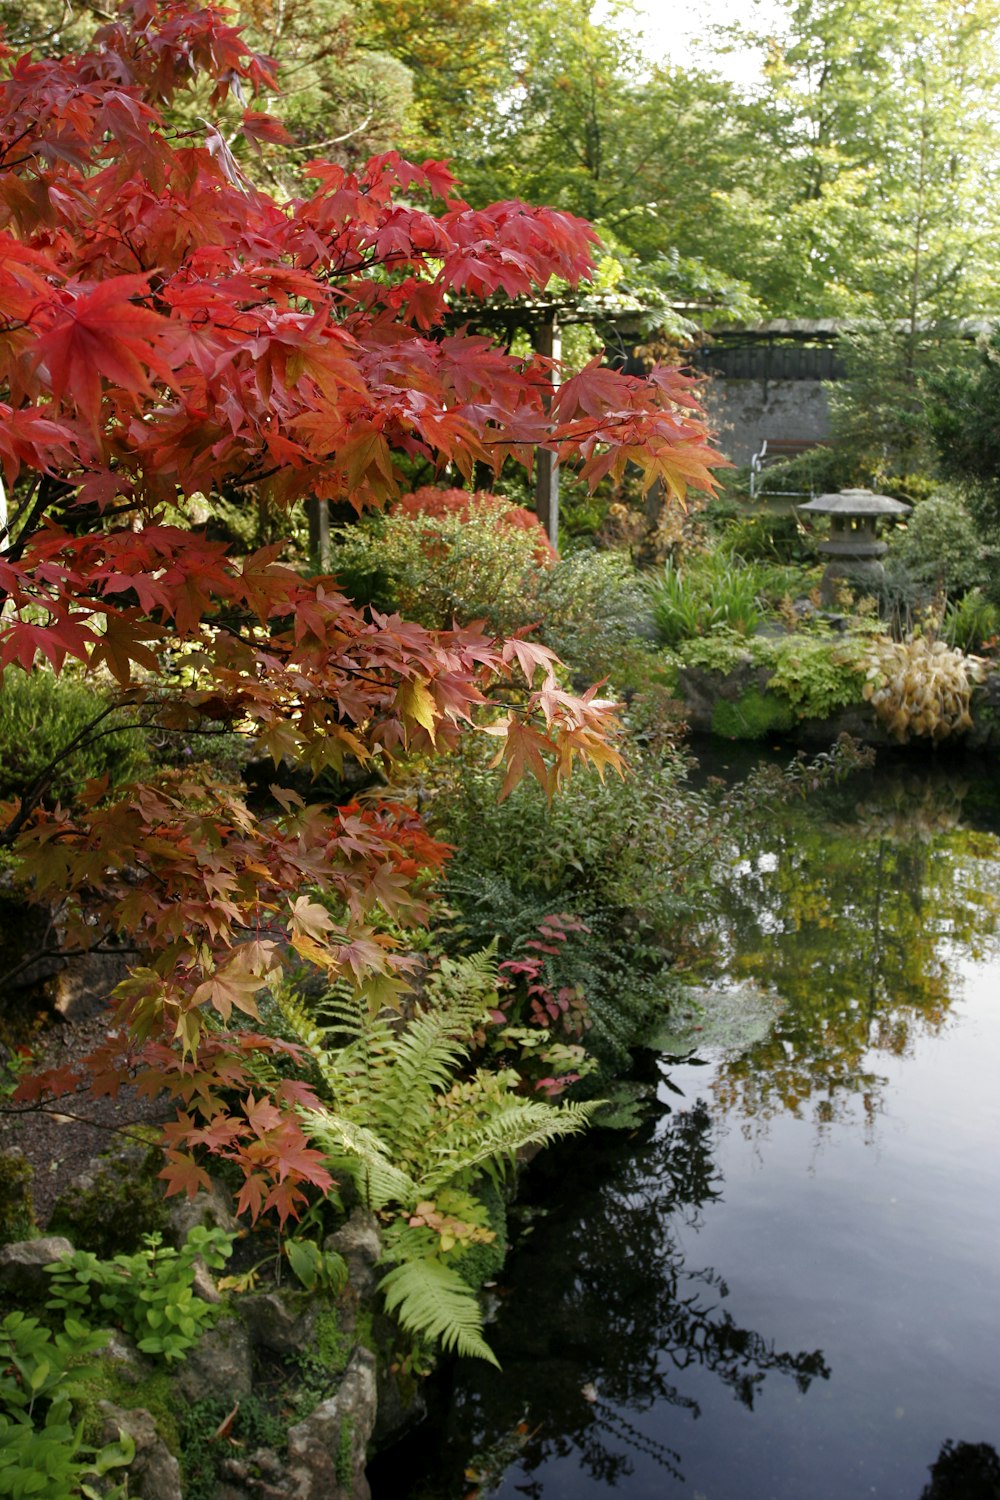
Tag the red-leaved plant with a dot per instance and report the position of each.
(169, 333)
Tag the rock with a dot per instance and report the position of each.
(209, 1210)
(123, 1355)
(154, 1473)
(281, 1321)
(82, 988)
(360, 1243)
(218, 1365)
(203, 1283)
(22, 1265)
(327, 1452)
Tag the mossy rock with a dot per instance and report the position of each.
(753, 716)
(110, 1209)
(17, 1210)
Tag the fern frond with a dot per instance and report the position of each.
(511, 1124)
(360, 1154)
(432, 1300)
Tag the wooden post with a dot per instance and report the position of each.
(319, 531)
(548, 342)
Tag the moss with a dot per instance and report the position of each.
(254, 1425)
(753, 716)
(124, 1203)
(480, 1262)
(155, 1393)
(343, 1464)
(17, 1210)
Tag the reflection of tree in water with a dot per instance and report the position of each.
(604, 1319)
(964, 1471)
(855, 916)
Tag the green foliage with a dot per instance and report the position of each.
(972, 622)
(595, 614)
(42, 1452)
(123, 1205)
(818, 674)
(601, 851)
(149, 1294)
(317, 1269)
(41, 716)
(413, 1134)
(940, 546)
(444, 569)
(706, 594)
(432, 1300)
(964, 416)
(723, 652)
(253, 1426)
(809, 676)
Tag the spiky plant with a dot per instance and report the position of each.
(413, 1131)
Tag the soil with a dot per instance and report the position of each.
(63, 1139)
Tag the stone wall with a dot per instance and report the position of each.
(745, 412)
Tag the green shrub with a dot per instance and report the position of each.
(940, 546)
(42, 1451)
(150, 1294)
(809, 677)
(40, 715)
(818, 675)
(594, 612)
(446, 569)
(971, 622)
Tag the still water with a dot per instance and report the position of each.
(788, 1286)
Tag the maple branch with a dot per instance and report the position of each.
(34, 793)
(40, 954)
(336, 140)
(53, 1108)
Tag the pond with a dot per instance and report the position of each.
(789, 1284)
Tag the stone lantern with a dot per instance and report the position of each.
(853, 546)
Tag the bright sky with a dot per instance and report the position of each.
(673, 29)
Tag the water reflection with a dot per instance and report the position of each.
(858, 918)
(607, 1319)
(964, 1471)
(626, 1363)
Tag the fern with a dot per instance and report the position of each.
(403, 1124)
(357, 1152)
(431, 1299)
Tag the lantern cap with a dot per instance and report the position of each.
(856, 503)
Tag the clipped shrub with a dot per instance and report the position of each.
(595, 614)
(940, 546)
(469, 557)
(40, 716)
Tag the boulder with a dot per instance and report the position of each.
(22, 1266)
(218, 1365)
(154, 1473)
(211, 1209)
(328, 1450)
(280, 1322)
(360, 1243)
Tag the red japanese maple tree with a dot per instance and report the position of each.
(169, 333)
